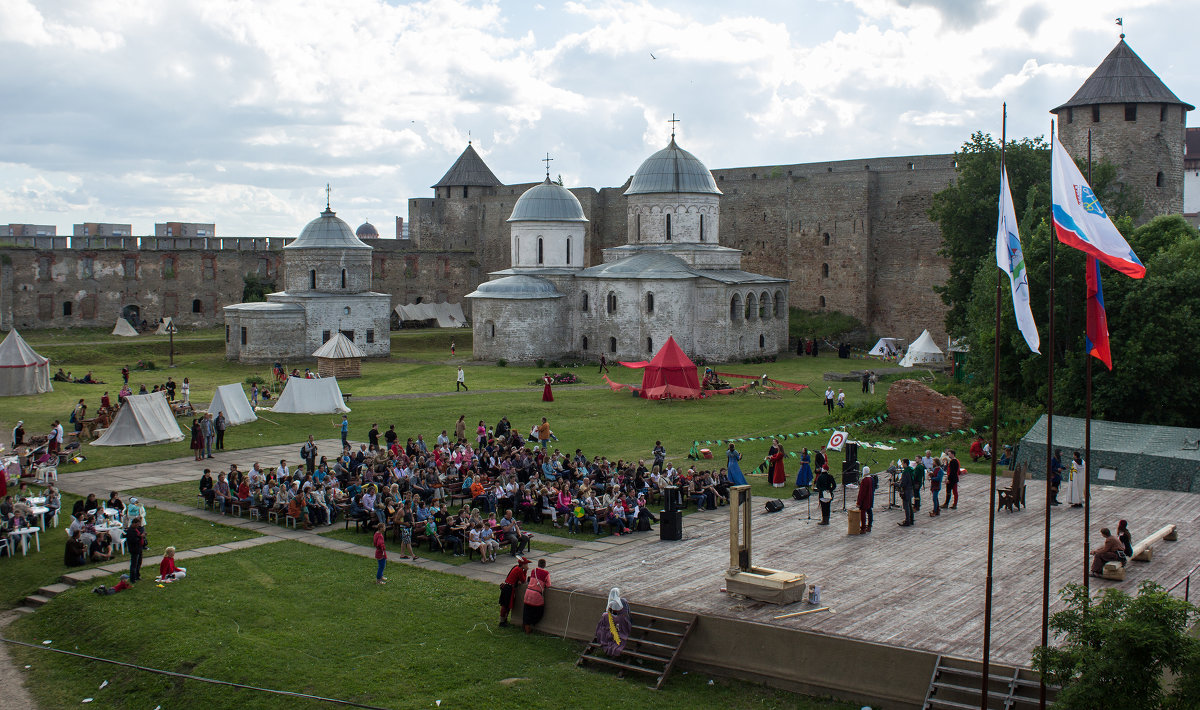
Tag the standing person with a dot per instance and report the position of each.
(603, 364)
(1056, 478)
(804, 476)
(874, 381)
(1075, 487)
(841, 398)
(732, 457)
(829, 400)
(825, 488)
(866, 498)
(535, 597)
(508, 588)
(136, 541)
(815, 347)
(935, 487)
(345, 432)
(777, 473)
(461, 382)
(254, 395)
(373, 438)
(380, 554)
(308, 452)
(18, 434)
(907, 488)
(220, 425)
(547, 393)
(125, 374)
(866, 381)
(1110, 551)
(543, 432)
(197, 443)
(952, 471)
(210, 434)
(78, 415)
(53, 442)
(185, 391)
(452, 349)
(460, 428)
(660, 455)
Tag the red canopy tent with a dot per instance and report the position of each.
(670, 374)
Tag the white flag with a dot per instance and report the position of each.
(1011, 259)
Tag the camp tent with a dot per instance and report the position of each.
(143, 419)
(669, 374)
(122, 327)
(922, 351)
(22, 371)
(231, 399)
(317, 396)
(339, 357)
(162, 327)
(447, 315)
(887, 347)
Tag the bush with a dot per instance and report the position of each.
(501, 362)
(255, 380)
(540, 363)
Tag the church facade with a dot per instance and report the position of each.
(671, 277)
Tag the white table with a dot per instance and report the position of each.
(40, 511)
(116, 532)
(25, 533)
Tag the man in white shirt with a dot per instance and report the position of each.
(462, 381)
(282, 472)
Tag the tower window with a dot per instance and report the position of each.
(197, 306)
(1095, 113)
(762, 341)
(343, 278)
(612, 302)
(826, 238)
(701, 227)
(821, 301)
(540, 252)
(583, 302)
(1070, 115)
(1162, 112)
(650, 298)
(649, 345)
(568, 251)
(243, 335)
(67, 304)
(464, 190)
(1130, 112)
(324, 336)
(612, 345)
(825, 271)
(370, 335)
(585, 342)
(1158, 181)
(668, 226)
(312, 279)
(638, 219)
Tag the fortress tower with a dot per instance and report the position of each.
(1137, 123)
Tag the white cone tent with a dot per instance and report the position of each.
(122, 327)
(231, 399)
(143, 419)
(923, 350)
(887, 347)
(317, 396)
(162, 327)
(22, 371)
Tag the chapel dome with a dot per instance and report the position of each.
(366, 230)
(547, 202)
(516, 287)
(672, 169)
(327, 232)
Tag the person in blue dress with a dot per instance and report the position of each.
(804, 476)
(735, 470)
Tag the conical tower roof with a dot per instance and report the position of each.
(1123, 78)
(469, 169)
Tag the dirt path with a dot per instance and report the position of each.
(12, 678)
(421, 395)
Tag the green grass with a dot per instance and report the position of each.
(23, 576)
(423, 637)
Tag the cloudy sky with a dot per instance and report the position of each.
(239, 111)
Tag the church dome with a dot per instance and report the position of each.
(518, 287)
(327, 232)
(366, 230)
(547, 202)
(672, 169)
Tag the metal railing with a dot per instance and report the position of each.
(1186, 582)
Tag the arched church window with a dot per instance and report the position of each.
(826, 238)
(764, 306)
(312, 279)
(762, 341)
(649, 345)
(197, 306)
(821, 301)
(735, 308)
(825, 270)
(343, 278)
(568, 251)
(701, 227)
(650, 303)
(346, 311)
(639, 226)
(585, 342)
(612, 302)
(490, 328)
(1158, 181)
(540, 253)
(751, 306)
(668, 226)
(612, 345)
(583, 302)
(780, 306)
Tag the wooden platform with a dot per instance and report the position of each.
(919, 587)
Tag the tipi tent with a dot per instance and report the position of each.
(669, 374)
(162, 327)
(922, 351)
(887, 347)
(319, 396)
(122, 327)
(143, 419)
(231, 399)
(339, 357)
(22, 371)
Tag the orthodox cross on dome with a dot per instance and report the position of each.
(547, 160)
(327, 191)
(673, 121)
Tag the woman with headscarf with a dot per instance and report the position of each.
(734, 468)
(804, 476)
(775, 457)
(612, 631)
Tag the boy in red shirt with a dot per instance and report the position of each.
(508, 588)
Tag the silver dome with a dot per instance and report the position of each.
(516, 287)
(327, 232)
(672, 169)
(547, 202)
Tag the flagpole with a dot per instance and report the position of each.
(987, 593)
(1087, 437)
(1049, 473)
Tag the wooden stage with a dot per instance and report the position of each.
(919, 587)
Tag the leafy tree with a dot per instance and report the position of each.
(255, 288)
(1116, 650)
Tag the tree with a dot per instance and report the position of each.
(1116, 650)
(255, 288)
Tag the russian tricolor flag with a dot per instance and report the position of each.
(1096, 341)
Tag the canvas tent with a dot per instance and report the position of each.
(231, 399)
(318, 396)
(122, 327)
(669, 374)
(447, 315)
(162, 327)
(143, 419)
(1128, 455)
(922, 351)
(22, 371)
(339, 357)
(887, 347)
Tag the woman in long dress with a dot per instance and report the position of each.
(1075, 489)
(734, 468)
(612, 631)
(804, 476)
(197, 443)
(775, 456)
(547, 393)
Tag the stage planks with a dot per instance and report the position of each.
(918, 587)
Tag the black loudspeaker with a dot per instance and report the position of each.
(670, 525)
(801, 493)
(851, 451)
(672, 499)
(774, 506)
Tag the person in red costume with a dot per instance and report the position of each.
(775, 456)
(168, 571)
(508, 589)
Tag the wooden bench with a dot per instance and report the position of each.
(1142, 552)
(497, 535)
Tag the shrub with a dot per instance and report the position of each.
(501, 362)
(255, 380)
(540, 362)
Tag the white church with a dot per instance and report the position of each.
(671, 278)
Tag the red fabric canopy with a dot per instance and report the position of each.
(670, 374)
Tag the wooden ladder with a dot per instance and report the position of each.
(653, 645)
(955, 686)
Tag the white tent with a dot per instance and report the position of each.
(143, 419)
(887, 347)
(122, 327)
(318, 396)
(231, 399)
(22, 371)
(923, 350)
(162, 327)
(447, 315)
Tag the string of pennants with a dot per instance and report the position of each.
(828, 430)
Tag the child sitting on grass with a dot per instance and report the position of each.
(168, 571)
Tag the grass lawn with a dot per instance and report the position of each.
(327, 630)
(23, 576)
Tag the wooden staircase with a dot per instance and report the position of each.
(955, 686)
(651, 649)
